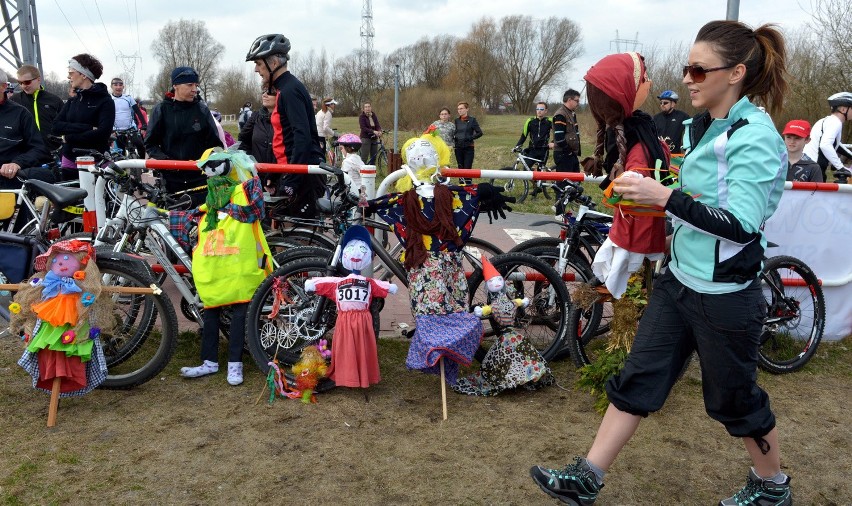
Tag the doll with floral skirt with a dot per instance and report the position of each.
(60, 313)
(512, 361)
(354, 357)
(627, 145)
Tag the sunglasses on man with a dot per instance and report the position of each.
(699, 73)
(26, 82)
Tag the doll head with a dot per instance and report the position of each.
(424, 155)
(356, 253)
(64, 258)
(231, 163)
(493, 280)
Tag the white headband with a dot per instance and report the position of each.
(74, 64)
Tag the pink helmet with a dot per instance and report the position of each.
(350, 140)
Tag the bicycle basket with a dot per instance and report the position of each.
(16, 257)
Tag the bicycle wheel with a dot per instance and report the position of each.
(518, 188)
(473, 251)
(590, 322)
(381, 162)
(284, 336)
(544, 321)
(145, 335)
(795, 315)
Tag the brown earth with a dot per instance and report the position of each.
(176, 441)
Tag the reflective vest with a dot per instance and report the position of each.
(231, 260)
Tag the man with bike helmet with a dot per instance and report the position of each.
(352, 162)
(295, 138)
(825, 134)
(669, 121)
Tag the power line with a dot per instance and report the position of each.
(71, 26)
(98, 7)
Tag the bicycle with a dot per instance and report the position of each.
(145, 338)
(284, 318)
(125, 144)
(333, 152)
(380, 159)
(792, 326)
(520, 188)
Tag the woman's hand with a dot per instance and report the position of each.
(643, 190)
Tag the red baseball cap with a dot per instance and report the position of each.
(798, 127)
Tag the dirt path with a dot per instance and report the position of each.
(175, 441)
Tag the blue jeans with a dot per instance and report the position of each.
(724, 329)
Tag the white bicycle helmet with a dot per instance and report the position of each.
(844, 98)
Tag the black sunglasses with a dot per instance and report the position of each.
(27, 82)
(699, 73)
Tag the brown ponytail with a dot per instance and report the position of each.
(763, 53)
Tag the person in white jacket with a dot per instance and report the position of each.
(323, 118)
(825, 135)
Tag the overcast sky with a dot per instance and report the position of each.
(111, 28)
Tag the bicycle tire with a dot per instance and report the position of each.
(544, 321)
(590, 322)
(299, 252)
(518, 188)
(144, 341)
(587, 248)
(381, 161)
(284, 337)
(795, 315)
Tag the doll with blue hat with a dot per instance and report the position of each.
(354, 357)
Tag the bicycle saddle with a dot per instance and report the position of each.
(61, 196)
(326, 206)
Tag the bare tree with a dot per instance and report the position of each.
(188, 43)
(354, 80)
(235, 87)
(830, 21)
(314, 70)
(56, 85)
(401, 57)
(531, 54)
(473, 64)
(430, 60)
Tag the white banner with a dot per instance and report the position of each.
(816, 227)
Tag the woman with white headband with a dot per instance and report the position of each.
(86, 119)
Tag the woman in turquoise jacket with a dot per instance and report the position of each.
(709, 300)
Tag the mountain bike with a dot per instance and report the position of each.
(380, 159)
(145, 336)
(792, 326)
(520, 188)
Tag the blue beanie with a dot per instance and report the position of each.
(184, 75)
(356, 232)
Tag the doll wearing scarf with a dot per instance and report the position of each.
(616, 86)
(61, 316)
(354, 357)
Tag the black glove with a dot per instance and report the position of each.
(493, 202)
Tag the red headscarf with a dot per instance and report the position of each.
(619, 76)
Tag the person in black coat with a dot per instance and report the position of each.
(42, 104)
(181, 127)
(22, 149)
(86, 119)
(256, 138)
(467, 130)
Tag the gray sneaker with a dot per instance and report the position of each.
(760, 492)
(576, 484)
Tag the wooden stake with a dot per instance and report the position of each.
(443, 387)
(54, 402)
(111, 289)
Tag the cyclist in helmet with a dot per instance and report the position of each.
(352, 162)
(825, 135)
(669, 121)
(295, 138)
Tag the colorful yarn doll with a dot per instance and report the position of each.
(354, 357)
(434, 221)
(232, 257)
(512, 361)
(616, 86)
(61, 315)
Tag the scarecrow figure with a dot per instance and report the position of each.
(354, 357)
(512, 361)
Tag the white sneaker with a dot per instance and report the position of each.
(235, 373)
(206, 368)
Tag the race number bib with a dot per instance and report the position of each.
(356, 290)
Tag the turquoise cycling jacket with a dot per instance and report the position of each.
(732, 178)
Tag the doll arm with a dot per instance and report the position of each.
(482, 310)
(522, 302)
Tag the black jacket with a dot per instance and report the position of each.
(49, 106)
(20, 141)
(538, 131)
(181, 131)
(466, 132)
(256, 136)
(670, 128)
(86, 121)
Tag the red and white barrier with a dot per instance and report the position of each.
(813, 222)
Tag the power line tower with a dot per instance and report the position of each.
(367, 31)
(19, 19)
(624, 45)
(128, 65)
